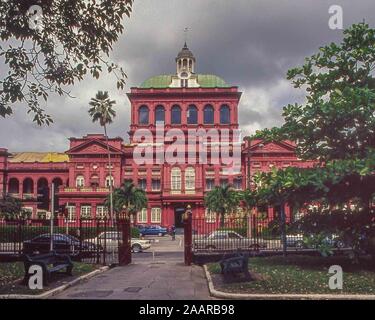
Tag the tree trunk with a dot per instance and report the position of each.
(222, 216)
(110, 175)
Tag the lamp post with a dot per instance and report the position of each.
(52, 214)
(188, 235)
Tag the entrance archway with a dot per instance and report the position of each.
(178, 217)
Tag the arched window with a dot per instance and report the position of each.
(109, 181)
(28, 186)
(14, 186)
(143, 113)
(176, 115)
(208, 114)
(224, 114)
(192, 114)
(80, 181)
(190, 178)
(159, 114)
(176, 179)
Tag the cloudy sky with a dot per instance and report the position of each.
(249, 43)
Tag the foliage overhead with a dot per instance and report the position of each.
(75, 39)
(337, 120)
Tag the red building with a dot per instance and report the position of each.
(185, 101)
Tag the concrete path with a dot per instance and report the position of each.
(144, 280)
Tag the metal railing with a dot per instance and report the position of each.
(252, 233)
(88, 240)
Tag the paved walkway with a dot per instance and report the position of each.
(148, 280)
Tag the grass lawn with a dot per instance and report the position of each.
(300, 274)
(11, 272)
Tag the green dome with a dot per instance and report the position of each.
(204, 80)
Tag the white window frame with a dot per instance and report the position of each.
(71, 213)
(155, 215)
(107, 181)
(142, 216)
(190, 178)
(101, 212)
(80, 181)
(176, 179)
(85, 212)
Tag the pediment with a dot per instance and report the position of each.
(93, 147)
(273, 147)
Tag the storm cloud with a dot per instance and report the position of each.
(249, 43)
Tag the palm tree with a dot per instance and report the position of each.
(101, 110)
(222, 200)
(129, 198)
(248, 199)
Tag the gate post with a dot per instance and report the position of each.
(124, 250)
(188, 236)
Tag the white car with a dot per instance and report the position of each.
(227, 240)
(111, 240)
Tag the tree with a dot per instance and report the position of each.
(248, 199)
(335, 128)
(102, 110)
(128, 198)
(222, 200)
(47, 55)
(11, 208)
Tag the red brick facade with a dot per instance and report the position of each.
(82, 174)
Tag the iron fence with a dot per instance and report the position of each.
(87, 240)
(252, 233)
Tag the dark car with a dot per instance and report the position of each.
(62, 243)
(152, 231)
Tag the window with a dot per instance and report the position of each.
(210, 183)
(86, 212)
(208, 114)
(176, 115)
(101, 212)
(159, 115)
(80, 181)
(192, 115)
(176, 179)
(143, 114)
(109, 181)
(224, 182)
(237, 183)
(210, 216)
(155, 215)
(71, 210)
(190, 178)
(142, 184)
(224, 115)
(155, 184)
(142, 216)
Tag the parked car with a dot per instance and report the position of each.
(111, 240)
(152, 231)
(298, 241)
(62, 243)
(227, 240)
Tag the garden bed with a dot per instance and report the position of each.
(299, 274)
(11, 275)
